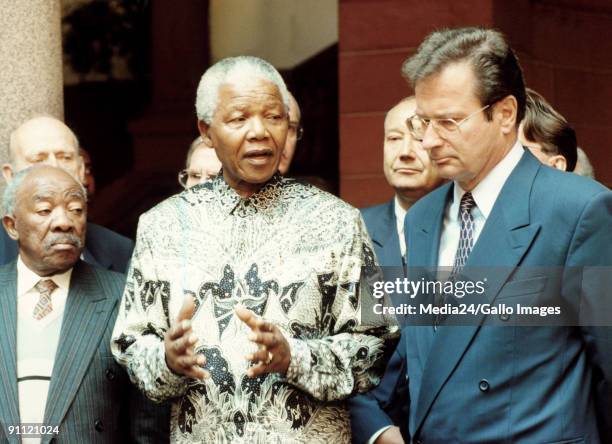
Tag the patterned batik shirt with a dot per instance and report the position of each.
(291, 253)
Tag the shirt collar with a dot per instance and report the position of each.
(400, 214)
(26, 278)
(486, 192)
(234, 204)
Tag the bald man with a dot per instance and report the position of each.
(201, 166)
(46, 140)
(411, 173)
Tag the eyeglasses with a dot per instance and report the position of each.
(444, 127)
(189, 178)
(297, 128)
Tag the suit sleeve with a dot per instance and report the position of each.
(590, 259)
(142, 421)
(138, 338)
(384, 406)
(346, 356)
(148, 423)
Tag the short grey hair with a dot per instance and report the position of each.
(228, 70)
(10, 192)
(495, 66)
(9, 200)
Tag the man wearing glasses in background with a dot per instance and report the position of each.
(202, 164)
(503, 209)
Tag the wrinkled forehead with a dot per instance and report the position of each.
(49, 184)
(244, 91)
(400, 113)
(447, 90)
(46, 138)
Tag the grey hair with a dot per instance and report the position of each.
(9, 200)
(495, 66)
(228, 70)
(10, 192)
(585, 166)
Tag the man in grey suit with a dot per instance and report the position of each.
(60, 382)
(46, 140)
(544, 238)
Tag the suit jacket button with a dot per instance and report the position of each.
(99, 425)
(418, 441)
(110, 374)
(504, 316)
(483, 385)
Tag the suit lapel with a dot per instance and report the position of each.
(385, 235)
(9, 399)
(83, 325)
(505, 238)
(423, 246)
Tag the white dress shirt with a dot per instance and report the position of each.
(484, 194)
(37, 342)
(400, 215)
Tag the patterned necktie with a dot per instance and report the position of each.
(466, 242)
(466, 238)
(45, 287)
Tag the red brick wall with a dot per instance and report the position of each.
(564, 47)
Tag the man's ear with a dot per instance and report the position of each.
(558, 161)
(506, 110)
(7, 172)
(9, 226)
(204, 132)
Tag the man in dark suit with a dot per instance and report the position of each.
(412, 175)
(46, 140)
(503, 209)
(56, 317)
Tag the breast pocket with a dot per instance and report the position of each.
(523, 287)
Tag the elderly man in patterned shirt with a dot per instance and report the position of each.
(243, 300)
